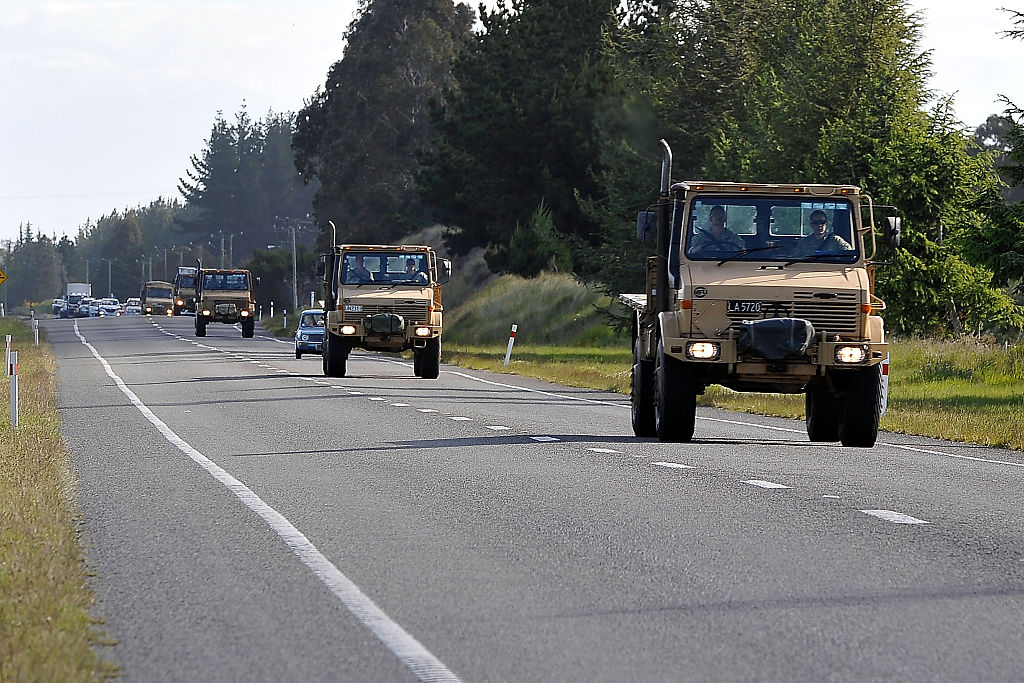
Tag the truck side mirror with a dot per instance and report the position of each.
(445, 271)
(646, 226)
(892, 231)
(321, 266)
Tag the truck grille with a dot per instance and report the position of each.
(838, 315)
(411, 311)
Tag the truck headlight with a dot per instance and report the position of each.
(348, 329)
(422, 332)
(245, 314)
(206, 311)
(180, 302)
(149, 309)
(851, 354)
(703, 350)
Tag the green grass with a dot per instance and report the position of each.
(956, 391)
(46, 632)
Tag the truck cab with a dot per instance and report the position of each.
(156, 298)
(765, 288)
(224, 296)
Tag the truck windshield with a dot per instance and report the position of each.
(401, 268)
(230, 281)
(158, 293)
(787, 229)
(186, 282)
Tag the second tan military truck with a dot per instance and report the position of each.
(760, 288)
(156, 298)
(224, 296)
(383, 298)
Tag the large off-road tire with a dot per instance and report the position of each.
(675, 398)
(430, 359)
(200, 327)
(859, 424)
(248, 328)
(298, 354)
(823, 413)
(417, 362)
(335, 355)
(641, 394)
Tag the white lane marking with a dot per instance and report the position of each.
(674, 465)
(400, 405)
(409, 651)
(827, 496)
(544, 438)
(894, 517)
(377, 398)
(426, 410)
(765, 484)
(497, 428)
(357, 393)
(458, 417)
(603, 450)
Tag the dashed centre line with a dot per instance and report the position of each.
(673, 465)
(894, 517)
(497, 428)
(544, 438)
(765, 484)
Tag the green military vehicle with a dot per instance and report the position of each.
(383, 298)
(761, 288)
(224, 296)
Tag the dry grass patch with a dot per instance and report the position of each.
(46, 633)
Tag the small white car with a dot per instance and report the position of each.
(133, 306)
(109, 307)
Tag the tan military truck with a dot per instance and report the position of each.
(383, 298)
(224, 296)
(156, 298)
(761, 288)
(185, 290)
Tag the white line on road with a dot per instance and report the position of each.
(497, 428)
(603, 450)
(426, 410)
(894, 517)
(765, 484)
(544, 438)
(409, 651)
(460, 418)
(674, 465)
(400, 405)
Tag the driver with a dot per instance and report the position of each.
(717, 237)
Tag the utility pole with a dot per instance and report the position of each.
(295, 275)
(110, 286)
(231, 250)
(222, 251)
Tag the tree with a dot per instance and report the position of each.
(359, 135)
(520, 127)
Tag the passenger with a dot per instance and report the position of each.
(820, 238)
(717, 237)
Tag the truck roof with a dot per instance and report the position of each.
(384, 247)
(813, 190)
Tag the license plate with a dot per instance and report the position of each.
(743, 307)
(353, 308)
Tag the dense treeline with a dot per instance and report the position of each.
(534, 136)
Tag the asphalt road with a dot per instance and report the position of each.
(249, 519)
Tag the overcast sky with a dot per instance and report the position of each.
(103, 101)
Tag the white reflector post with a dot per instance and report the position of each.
(12, 369)
(511, 341)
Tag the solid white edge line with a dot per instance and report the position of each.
(409, 651)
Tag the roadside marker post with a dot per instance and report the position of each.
(7, 355)
(511, 341)
(271, 309)
(12, 370)
(35, 330)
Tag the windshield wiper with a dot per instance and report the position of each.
(744, 252)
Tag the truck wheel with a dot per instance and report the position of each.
(859, 424)
(298, 354)
(675, 398)
(335, 355)
(823, 412)
(417, 362)
(248, 328)
(430, 359)
(641, 394)
(200, 327)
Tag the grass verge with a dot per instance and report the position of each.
(46, 632)
(951, 390)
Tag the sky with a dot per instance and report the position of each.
(102, 102)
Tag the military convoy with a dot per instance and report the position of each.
(765, 288)
(383, 298)
(224, 296)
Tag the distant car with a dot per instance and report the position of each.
(85, 307)
(309, 335)
(57, 305)
(133, 306)
(109, 307)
